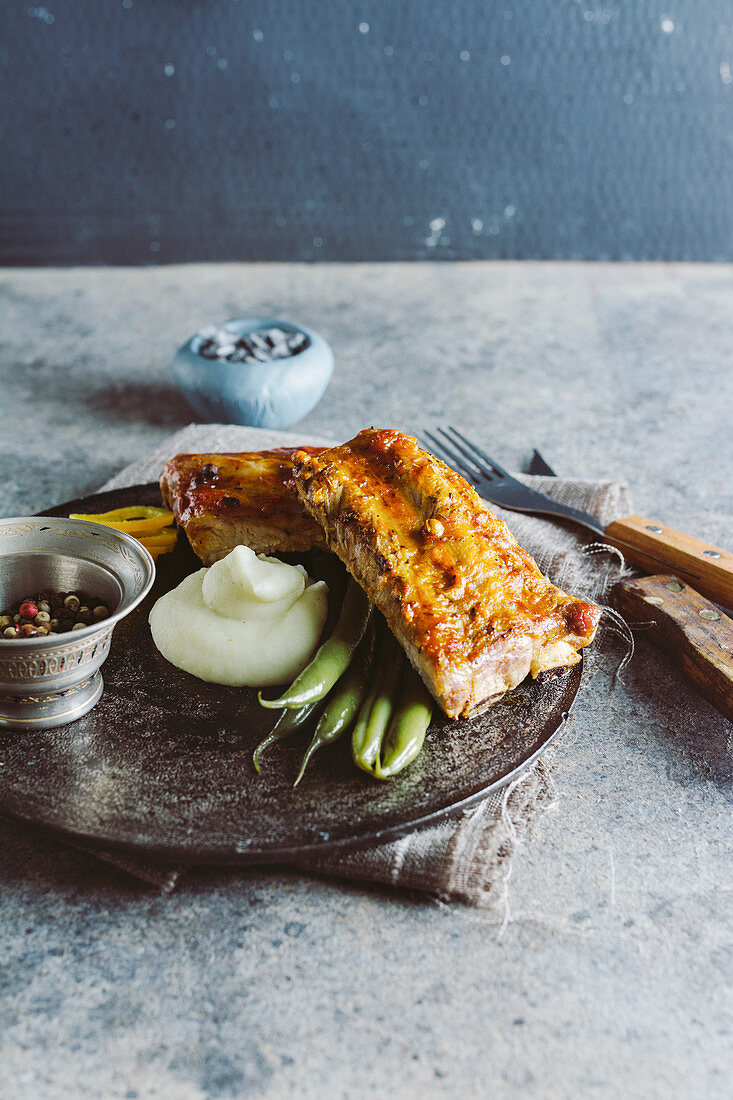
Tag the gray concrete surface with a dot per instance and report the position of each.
(609, 973)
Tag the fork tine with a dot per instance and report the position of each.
(472, 451)
(442, 450)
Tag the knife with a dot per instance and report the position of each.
(696, 633)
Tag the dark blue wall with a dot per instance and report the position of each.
(146, 131)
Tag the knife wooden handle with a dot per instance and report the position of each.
(655, 547)
(697, 635)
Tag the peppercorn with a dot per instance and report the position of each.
(55, 613)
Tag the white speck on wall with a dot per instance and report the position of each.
(273, 102)
(155, 246)
(389, 51)
(667, 25)
(589, 16)
(222, 63)
(494, 229)
(169, 69)
(725, 75)
(509, 211)
(43, 14)
(422, 165)
(127, 4)
(295, 78)
(363, 28)
(170, 124)
(423, 100)
(211, 51)
(408, 219)
(476, 225)
(437, 224)
(505, 59)
(318, 242)
(258, 35)
(465, 55)
(288, 55)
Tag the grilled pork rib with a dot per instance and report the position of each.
(469, 606)
(225, 500)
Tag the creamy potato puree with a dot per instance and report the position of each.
(247, 621)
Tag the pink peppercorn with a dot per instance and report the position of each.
(28, 610)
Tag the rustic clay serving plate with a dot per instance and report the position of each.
(163, 764)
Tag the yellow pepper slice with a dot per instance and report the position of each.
(165, 538)
(150, 526)
(135, 520)
(132, 511)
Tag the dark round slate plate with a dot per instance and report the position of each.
(163, 764)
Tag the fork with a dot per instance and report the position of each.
(497, 484)
(642, 541)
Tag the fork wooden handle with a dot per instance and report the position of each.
(697, 635)
(657, 548)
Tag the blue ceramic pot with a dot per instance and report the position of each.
(270, 394)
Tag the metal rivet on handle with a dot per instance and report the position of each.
(711, 616)
(674, 586)
(711, 553)
(656, 530)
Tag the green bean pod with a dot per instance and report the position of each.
(332, 658)
(344, 701)
(407, 728)
(376, 710)
(288, 722)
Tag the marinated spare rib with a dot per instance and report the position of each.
(225, 500)
(469, 606)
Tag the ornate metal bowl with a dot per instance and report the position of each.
(54, 679)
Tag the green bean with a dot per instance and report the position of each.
(407, 728)
(288, 722)
(332, 658)
(343, 703)
(375, 711)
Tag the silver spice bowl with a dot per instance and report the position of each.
(53, 679)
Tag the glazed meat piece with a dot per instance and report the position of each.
(469, 605)
(227, 500)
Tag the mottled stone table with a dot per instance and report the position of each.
(609, 971)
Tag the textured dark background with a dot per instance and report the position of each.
(139, 131)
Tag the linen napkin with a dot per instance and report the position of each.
(466, 858)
